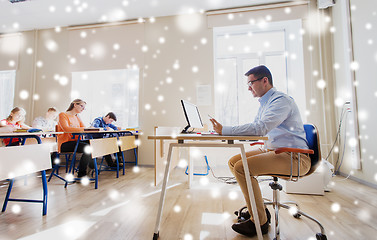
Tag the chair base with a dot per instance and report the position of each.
(201, 174)
(277, 205)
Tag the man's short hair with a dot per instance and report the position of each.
(259, 72)
(112, 116)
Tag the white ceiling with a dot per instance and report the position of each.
(40, 14)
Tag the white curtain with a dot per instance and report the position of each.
(7, 82)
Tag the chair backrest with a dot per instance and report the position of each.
(103, 146)
(127, 143)
(22, 160)
(312, 137)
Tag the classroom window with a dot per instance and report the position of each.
(7, 82)
(108, 90)
(238, 49)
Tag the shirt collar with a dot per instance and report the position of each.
(262, 100)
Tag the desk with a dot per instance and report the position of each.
(28, 158)
(91, 135)
(196, 140)
(26, 135)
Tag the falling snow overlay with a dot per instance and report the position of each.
(139, 58)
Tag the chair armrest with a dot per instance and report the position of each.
(256, 143)
(295, 150)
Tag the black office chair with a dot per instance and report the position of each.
(315, 156)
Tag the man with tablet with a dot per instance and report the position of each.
(279, 119)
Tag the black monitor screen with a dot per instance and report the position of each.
(192, 115)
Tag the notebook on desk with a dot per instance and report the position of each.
(91, 129)
(208, 133)
(20, 130)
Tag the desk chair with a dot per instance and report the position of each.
(57, 165)
(101, 147)
(102, 167)
(127, 143)
(201, 174)
(312, 138)
(315, 156)
(19, 161)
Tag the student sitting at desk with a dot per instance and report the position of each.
(106, 123)
(279, 119)
(47, 123)
(15, 120)
(70, 121)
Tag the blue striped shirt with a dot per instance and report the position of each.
(99, 123)
(278, 118)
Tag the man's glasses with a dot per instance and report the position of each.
(250, 83)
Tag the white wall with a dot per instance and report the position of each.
(364, 22)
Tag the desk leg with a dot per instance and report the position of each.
(45, 192)
(163, 192)
(96, 173)
(11, 181)
(251, 193)
(191, 169)
(135, 156)
(116, 157)
(124, 163)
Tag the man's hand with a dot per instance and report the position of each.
(119, 128)
(217, 127)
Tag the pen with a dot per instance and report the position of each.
(210, 116)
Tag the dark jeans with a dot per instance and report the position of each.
(109, 159)
(54, 155)
(85, 157)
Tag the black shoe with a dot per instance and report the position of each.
(81, 175)
(246, 215)
(247, 228)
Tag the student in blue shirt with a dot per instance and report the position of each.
(279, 119)
(106, 123)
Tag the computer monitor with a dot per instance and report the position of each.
(192, 116)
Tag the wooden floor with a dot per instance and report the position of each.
(126, 208)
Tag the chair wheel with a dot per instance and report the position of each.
(320, 236)
(296, 215)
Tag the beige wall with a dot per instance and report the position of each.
(156, 65)
(179, 46)
(366, 56)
